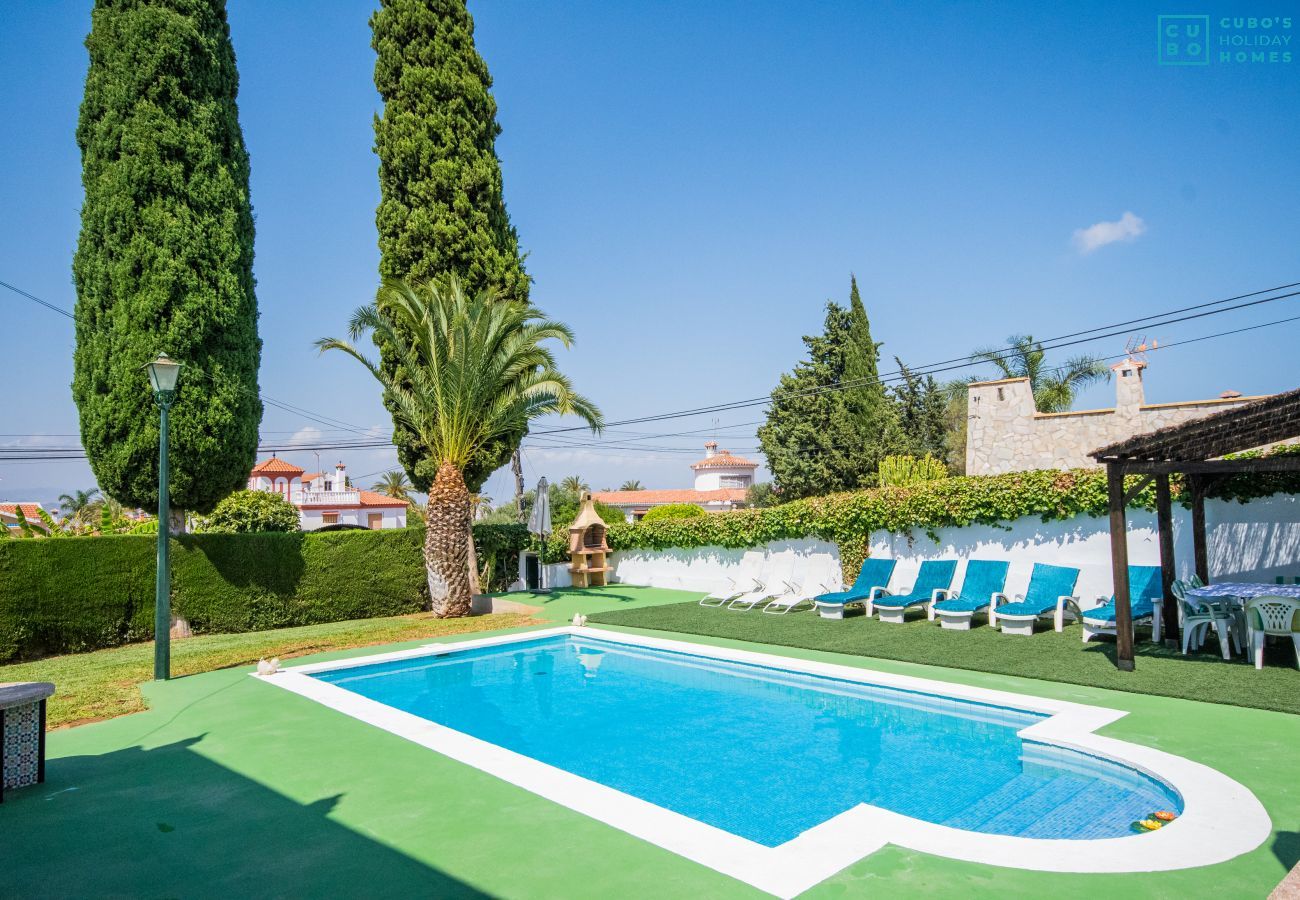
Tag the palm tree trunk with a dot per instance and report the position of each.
(475, 587)
(446, 544)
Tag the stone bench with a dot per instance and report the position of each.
(22, 733)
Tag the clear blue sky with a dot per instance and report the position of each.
(692, 180)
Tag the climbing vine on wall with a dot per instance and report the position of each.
(848, 519)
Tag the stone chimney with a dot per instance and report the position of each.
(1129, 395)
(340, 477)
(710, 449)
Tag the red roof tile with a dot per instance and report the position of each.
(275, 466)
(653, 498)
(30, 510)
(723, 459)
(370, 498)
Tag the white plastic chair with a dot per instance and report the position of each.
(1198, 617)
(1272, 616)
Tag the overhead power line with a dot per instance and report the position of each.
(1182, 314)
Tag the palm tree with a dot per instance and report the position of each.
(393, 484)
(574, 485)
(471, 368)
(78, 505)
(631, 485)
(1054, 388)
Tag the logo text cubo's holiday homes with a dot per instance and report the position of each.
(1199, 40)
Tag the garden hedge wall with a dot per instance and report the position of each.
(849, 519)
(74, 594)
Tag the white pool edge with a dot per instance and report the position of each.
(1221, 819)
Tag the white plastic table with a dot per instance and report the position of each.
(1244, 590)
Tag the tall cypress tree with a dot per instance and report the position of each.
(164, 262)
(801, 438)
(831, 421)
(872, 417)
(441, 211)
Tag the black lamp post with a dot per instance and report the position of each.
(163, 373)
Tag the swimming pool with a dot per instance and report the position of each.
(762, 753)
(780, 771)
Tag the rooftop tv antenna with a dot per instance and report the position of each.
(1137, 348)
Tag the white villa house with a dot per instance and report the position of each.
(722, 481)
(325, 498)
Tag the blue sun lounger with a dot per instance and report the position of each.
(872, 579)
(1145, 594)
(1051, 590)
(932, 583)
(981, 586)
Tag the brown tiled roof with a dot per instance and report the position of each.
(724, 459)
(1266, 421)
(654, 498)
(275, 466)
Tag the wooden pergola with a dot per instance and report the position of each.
(1194, 449)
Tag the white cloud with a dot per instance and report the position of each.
(306, 435)
(1127, 228)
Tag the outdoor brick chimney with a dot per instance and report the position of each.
(710, 449)
(1129, 396)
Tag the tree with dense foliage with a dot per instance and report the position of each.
(393, 484)
(866, 401)
(245, 512)
(761, 495)
(673, 511)
(631, 484)
(164, 262)
(827, 431)
(441, 209)
(473, 367)
(923, 415)
(1054, 388)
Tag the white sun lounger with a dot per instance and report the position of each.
(793, 596)
(744, 581)
(771, 582)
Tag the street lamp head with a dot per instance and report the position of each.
(163, 373)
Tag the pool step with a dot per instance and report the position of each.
(1009, 809)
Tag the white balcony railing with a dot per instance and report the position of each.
(312, 498)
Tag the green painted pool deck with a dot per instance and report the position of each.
(228, 786)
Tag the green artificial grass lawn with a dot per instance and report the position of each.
(106, 683)
(228, 786)
(1046, 655)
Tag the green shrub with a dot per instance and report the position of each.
(674, 511)
(252, 512)
(84, 593)
(906, 471)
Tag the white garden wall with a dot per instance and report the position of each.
(705, 569)
(1251, 542)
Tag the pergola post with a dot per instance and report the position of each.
(1119, 566)
(1196, 485)
(1165, 530)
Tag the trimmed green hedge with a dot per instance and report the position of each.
(76, 594)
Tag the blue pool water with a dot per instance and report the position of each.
(762, 752)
